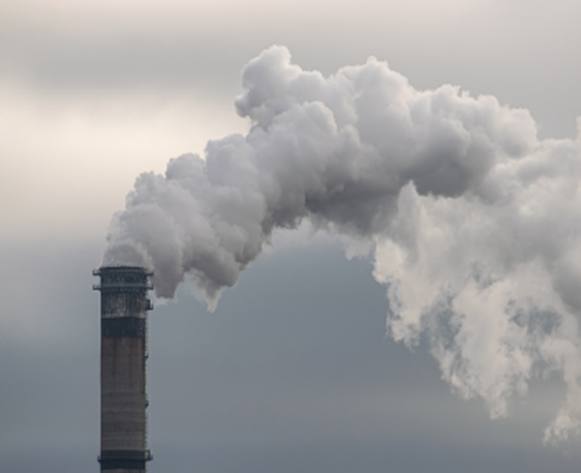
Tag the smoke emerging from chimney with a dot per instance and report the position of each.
(474, 222)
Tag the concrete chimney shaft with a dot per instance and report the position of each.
(124, 306)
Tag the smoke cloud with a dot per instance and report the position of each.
(472, 220)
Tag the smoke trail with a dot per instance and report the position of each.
(473, 220)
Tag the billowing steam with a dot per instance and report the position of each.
(473, 220)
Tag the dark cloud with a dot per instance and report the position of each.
(292, 372)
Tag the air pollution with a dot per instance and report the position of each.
(472, 221)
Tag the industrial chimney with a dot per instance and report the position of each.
(124, 306)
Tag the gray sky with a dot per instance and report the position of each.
(293, 371)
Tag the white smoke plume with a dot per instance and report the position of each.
(474, 222)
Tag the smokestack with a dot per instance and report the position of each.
(124, 306)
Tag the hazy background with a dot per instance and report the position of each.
(293, 371)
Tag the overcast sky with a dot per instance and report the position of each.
(293, 371)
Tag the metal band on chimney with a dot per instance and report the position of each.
(124, 459)
(123, 327)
